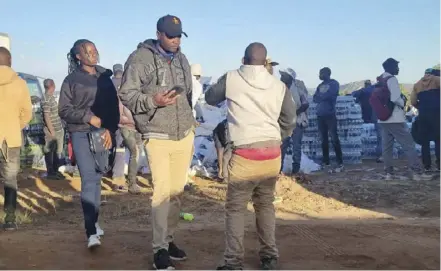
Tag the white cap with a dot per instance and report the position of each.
(196, 69)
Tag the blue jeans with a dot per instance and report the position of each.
(296, 139)
(120, 157)
(90, 181)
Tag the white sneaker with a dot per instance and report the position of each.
(426, 176)
(94, 241)
(389, 177)
(99, 231)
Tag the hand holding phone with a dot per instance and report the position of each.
(167, 97)
(177, 90)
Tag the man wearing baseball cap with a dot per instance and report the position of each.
(157, 88)
(269, 64)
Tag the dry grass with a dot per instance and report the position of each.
(22, 217)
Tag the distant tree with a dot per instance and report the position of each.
(436, 67)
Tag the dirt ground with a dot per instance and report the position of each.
(351, 220)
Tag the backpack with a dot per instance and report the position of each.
(380, 99)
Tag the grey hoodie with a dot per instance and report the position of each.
(147, 72)
(261, 111)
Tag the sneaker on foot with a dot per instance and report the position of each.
(176, 253)
(162, 261)
(426, 176)
(268, 263)
(99, 231)
(60, 175)
(10, 226)
(134, 188)
(53, 176)
(93, 241)
(339, 169)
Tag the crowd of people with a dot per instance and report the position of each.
(152, 101)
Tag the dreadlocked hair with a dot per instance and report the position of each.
(73, 61)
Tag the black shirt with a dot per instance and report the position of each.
(84, 95)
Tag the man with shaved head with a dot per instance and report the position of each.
(16, 112)
(261, 112)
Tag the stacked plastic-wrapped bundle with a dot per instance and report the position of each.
(349, 127)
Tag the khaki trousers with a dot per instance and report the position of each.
(168, 161)
(256, 180)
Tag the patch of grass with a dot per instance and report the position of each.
(22, 217)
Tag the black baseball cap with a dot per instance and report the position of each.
(171, 26)
(390, 61)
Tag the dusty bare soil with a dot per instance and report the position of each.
(351, 220)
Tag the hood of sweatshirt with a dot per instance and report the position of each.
(428, 81)
(257, 76)
(152, 45)
(7, 75)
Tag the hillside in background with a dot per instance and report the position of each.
(356, 85)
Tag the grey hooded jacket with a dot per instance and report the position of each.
(147, 72)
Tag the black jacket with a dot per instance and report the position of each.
(84, 95)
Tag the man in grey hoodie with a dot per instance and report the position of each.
(157, 89)
(261, 112)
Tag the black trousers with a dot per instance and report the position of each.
(429, 130)
(327, 125)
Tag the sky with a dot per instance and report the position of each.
(352, 37)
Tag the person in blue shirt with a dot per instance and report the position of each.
(362, 97)
(326, 97)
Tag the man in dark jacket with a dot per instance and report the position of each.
(326, 98)
(425, 96)
(362, 97)
(157, 89)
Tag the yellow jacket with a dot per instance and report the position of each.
(15, 107)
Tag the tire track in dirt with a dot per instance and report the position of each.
(306, 232)
(381, 233)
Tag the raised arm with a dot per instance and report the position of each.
(288, 117)
(216, 93)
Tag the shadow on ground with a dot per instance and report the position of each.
(315, 228)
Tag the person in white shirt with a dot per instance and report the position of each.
(395, 128)
(196, 72)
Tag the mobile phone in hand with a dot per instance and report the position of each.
(178, 90)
